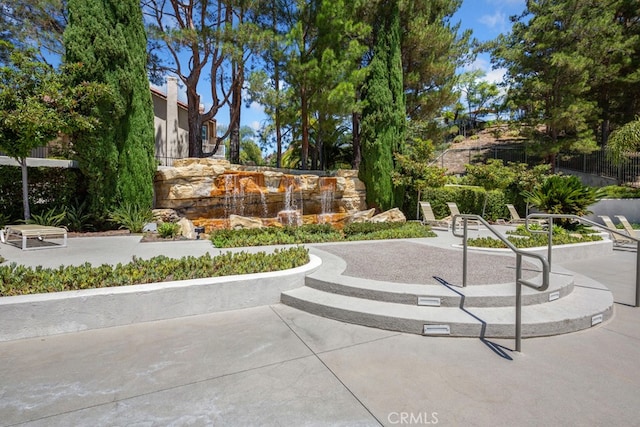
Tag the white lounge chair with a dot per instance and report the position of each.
(453, 208)
(429, 218)
(516, 219)
(627, 226)
(617, 239)
(34, 231)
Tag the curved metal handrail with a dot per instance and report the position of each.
(549, 232)
(546, 267)
(545, 263)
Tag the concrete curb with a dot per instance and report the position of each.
(28, 316)
(561, 253)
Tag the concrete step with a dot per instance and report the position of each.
(589, 304)
(442, 294)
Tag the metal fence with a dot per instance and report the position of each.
(595, 163)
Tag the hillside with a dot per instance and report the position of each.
(482, 144)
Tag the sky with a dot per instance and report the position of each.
(486, 18)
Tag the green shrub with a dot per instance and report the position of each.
(20, 280)
(48, 188)
(4, 219)
(521, 238)
(168, 230)
(77, 217)
(620, 192)
(309, 233)
(404, 231)
(131, 217)
(473, 200)
(52, 217)
(369, 227)
(317, 234)
(458, 138)
(560, 194)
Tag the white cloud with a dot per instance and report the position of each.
(257, 108)
(521, 3)
(481, 63)
(495, 76)
(255, 125)
(498, 21)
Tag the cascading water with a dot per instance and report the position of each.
(327, 193)
(290, 213)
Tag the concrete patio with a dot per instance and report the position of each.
(275, 365)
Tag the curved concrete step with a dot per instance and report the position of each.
(590, 303)
(444, 295)
(441, 293)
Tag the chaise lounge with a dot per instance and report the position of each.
(615, 238)
(26, 232)
(428, 218)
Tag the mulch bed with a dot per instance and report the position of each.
(98, 233)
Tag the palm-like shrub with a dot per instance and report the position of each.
(562, 195)
(131, 216)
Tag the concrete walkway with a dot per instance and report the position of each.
(277, 366)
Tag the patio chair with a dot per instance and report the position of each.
(516, 219)
(19, 234)
(453, 208)
(627, 226)
(616, 238)
(428, 218)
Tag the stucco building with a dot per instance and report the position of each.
(171, 126)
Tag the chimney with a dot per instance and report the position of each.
(173, 146)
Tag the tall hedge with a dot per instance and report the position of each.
(107, 38)
(490, 204)
(48, 188)
(383, 117)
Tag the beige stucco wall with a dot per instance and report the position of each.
(171, 125)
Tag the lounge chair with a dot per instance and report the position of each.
(23, 232)
(627, 226)
(453, 208)
(516, 219)
(616, 238)
(428, 218)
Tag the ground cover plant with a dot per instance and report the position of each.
(318, 233)
(20, 280)
(523, 238)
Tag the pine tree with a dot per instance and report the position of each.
(570, 69)
(107, 37)
(383, 117)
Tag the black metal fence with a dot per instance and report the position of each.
(596, 163)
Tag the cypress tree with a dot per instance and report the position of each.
(383, 117)
(107, 39)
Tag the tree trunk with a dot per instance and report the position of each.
(195, 123)
(304, 111)
(357, 156)
(604, 128)
(25, 188)
(236, 103)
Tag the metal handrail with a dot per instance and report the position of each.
(519, 254)
(549, 232)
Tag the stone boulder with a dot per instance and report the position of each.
(392, 215)
(239, 222)
(165, 215)
(362, 216)
(187, 229)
